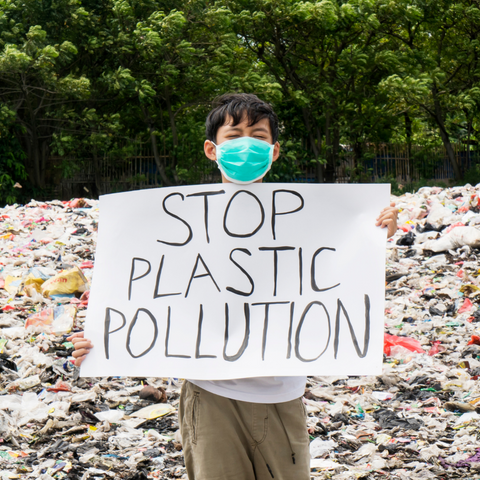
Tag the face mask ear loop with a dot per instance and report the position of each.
(216, 149)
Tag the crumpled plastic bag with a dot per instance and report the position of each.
(36, 277)
(25, 408)
(12, 284)
(57, 320)
(440, 215)
(409, 343)
(154, 411)
(458, 237)
(111, 416)
(78, 203)
(68, 281)
(318, 447)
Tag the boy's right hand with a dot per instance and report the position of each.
(82, 347)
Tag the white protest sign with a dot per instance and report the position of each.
(226, 281)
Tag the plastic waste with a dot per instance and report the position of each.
(24, 383)
(154, 411)
(58, 320)
(439, 215)
(436, 348)
(67, 282)
(12, 285)
(35, 277)
(418, 419)
(409, 344)
(111, 416)
(458, 237)
(407, 240)
(466, 307)
(319, 447)
(474, 340)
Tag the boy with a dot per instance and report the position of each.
(252, 428)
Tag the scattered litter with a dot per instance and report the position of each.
(319, 447)
(417, 420)
(57, 320)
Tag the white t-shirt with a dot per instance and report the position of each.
(256, 389)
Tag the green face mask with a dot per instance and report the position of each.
(245, 159)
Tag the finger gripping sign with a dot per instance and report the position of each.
(226, 281)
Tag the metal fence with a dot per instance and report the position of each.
(404, 163)
(379, 161)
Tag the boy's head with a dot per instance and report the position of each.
(233, 108)
(242, 136)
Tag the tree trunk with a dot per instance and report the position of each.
(96, 170)
(319, 168)
(24, 140)
(45, 150)
(153, 140)
(469, 133)
(173, 126)
(357, 155)
(36, 159)
(444, 135)
(335, 152)
(409, 135)
(160, 164)
(36, 156)
(313, 146)
(331, 142)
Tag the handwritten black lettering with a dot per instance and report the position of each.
(299, 331)
(190, 233)
(259, 226)
(290, 329)
(246, 336)
(274, 207)
(366, 337)
(130, 329)
(157, 283)
(265, 322)
(300, 269)
(312, 271)
(132, 273)
(207, 274)
(107, 332)
(199, 336)
(233, 290)
(275, 251)
(205, 196)
(167, 338)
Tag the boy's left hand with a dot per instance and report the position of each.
(388, 218)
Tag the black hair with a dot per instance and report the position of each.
(237, 106)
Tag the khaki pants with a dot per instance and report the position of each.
(226, 439)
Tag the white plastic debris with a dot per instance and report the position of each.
(417, 420)
(319, 447)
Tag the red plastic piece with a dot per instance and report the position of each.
(409, 343)
(475, 340)
(466, 307)
(458, 224)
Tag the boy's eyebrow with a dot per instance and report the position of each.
(255, 129)
(263, 129)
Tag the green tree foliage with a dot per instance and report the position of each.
(328, 60)
(87, 79)
(438, 71)
(12, 170)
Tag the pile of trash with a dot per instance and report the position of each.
(418, 420)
